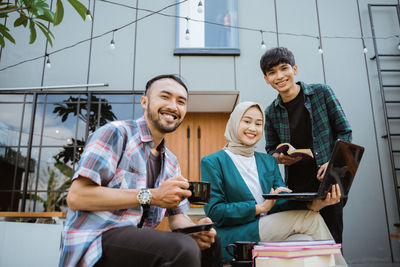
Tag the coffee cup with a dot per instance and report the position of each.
(200, 192)
(242, 250)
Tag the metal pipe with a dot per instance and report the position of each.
(55, 87)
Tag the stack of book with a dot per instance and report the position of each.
(296, 253)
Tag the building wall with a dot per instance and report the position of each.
(145, 49)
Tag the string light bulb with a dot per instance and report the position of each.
(112, 43)
(88, 15)
(365, 50)
(263, 46)
(48, 64)
(200, 7)
(187, 33)
(320, 51)
(398, 46)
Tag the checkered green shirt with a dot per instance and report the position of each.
(328, 121)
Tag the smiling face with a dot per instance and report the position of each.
(251, 126)
(281, 78)
(165, 105)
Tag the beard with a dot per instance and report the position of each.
(153, 117)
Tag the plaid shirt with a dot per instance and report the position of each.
(328, 121)
(115, 156)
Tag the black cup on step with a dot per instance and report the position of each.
(200, 192)
(242, 251)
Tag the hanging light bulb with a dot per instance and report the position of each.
(263, 46)
(200, 7)
(398, 46)
(48, 64)
(112, 43)
(365, 50)
(187, 34)
(88, 15)
(320, 50)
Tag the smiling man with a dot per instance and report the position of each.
(126, 182)
(306, 116)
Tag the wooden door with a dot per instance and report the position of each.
(199, 135)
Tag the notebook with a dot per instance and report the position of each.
(342, 168)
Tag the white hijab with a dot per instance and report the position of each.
(235, 145)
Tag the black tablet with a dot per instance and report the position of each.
(195, 228)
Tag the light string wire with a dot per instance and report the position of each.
(159, 12)
(95, 37)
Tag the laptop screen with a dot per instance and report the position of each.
(342, 167)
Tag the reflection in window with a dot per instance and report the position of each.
(36, 175)
(210, 31)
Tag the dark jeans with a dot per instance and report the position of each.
(333, 217)
(130, 246)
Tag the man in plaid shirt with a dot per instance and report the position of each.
(306, 116)
(126, 181)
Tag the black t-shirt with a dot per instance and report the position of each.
(302, 176)
(153, 167)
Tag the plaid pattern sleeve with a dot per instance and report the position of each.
(101, 154)
(337, 118)
(329, 122)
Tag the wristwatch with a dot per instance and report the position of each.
(144, 196)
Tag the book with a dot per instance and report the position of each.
(314, 261)
(296, 251)
(288, 150)
(297, 242)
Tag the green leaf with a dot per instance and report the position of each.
(49, 15)
(45, 18)
(45, 31)
(4, 15)
(20, 21)
(58, 16)
(79, 7)
(25, 23)
(4, 31)
(33, 31)
(2, 44)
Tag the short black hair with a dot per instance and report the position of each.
(164, 76)
(275, 56)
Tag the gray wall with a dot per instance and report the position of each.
(146, 48)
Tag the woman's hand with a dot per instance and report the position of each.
(332, 198)
(269, 203)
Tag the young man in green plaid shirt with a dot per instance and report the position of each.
(306, 116)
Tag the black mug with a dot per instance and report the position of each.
(242, 250)
(200, 192)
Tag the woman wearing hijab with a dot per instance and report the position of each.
(239, 176)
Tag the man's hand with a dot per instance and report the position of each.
(332, 198)
(204, 239)
(170, 193)
(287, 160)
(321, 171)
(269, 203)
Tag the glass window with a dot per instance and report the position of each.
(59, 136)
(207, 27)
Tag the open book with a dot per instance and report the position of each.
(288, 150)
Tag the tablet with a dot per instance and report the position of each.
(194, 228)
